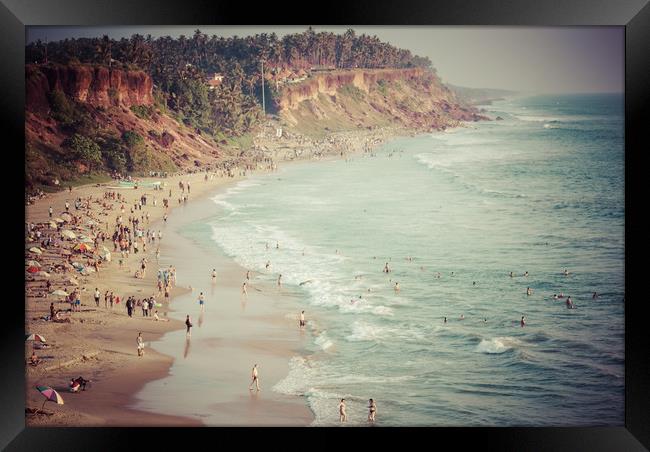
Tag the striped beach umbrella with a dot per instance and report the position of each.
(35, 250)
(33, 263)
(35, 337)
(33, 269)
(50, 395)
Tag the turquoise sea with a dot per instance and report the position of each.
(453, 213)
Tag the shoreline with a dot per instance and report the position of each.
(110, 404)
(106, 337)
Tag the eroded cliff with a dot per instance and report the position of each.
(96, 85)
(366, 98)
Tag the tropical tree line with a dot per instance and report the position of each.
(179, 67)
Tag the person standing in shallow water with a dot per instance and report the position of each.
(256, 379)
(372, 410)
(342, 415)
(188, 324)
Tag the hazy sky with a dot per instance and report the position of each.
(541, 59)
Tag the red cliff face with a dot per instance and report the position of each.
(365, 80)
(98, 86)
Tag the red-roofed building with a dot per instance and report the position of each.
(215, 80)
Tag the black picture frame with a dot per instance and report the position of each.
(633, 15)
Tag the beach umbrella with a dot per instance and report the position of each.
(32, 269)
(35, 337)
(33, 263)
(72, 280)
(58, 220)
(81, 247)
(68, 234)
(50, 395)
(44, 274)
(35, 250)
(86, 239)
(67, 214)
(59, 293)
(52, 224)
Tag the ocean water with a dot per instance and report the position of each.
(539, 191)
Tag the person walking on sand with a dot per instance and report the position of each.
(201, 300)
(248, 275)
(97, 296)
(280, 281)
(302, 319)
(256, 379)
(50, 211)
(372, 409)
(244, 292)
(214, 275)
(111, 299)
(342, 416)
(140, 341)
(188, 324)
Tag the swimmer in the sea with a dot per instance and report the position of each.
(396, 287)
(523, 321)
(445, 321)
(529, 291)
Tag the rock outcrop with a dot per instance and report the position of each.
(96, 85)
(365, 98)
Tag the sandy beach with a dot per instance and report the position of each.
(99, 343)
(106, 337)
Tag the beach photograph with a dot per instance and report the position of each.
(324, 226)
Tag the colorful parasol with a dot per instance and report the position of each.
(35, 337)
(50, 395)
